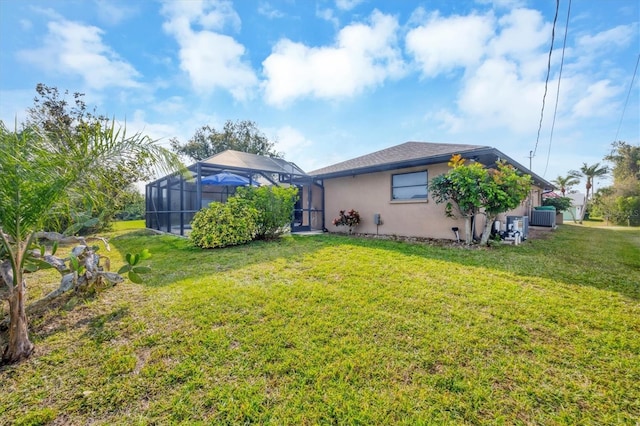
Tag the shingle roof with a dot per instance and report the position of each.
(401, 155)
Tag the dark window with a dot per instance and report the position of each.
(409, 186)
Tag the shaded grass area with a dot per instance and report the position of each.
(331, 329)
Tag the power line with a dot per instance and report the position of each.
(546, 83)
(555, 110)
(627, 101)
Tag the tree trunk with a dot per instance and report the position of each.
(486, 233)
(468, 237)
(19, 347)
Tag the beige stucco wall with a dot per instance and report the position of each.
(371, 193)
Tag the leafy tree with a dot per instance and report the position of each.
(565, 183)
(36, 173)
(504, 190)
(460, 189)
(626, 161)
(474, 189)
(237, 135)
(63, 123)
(561, 203)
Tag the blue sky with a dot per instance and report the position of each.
(333, 79)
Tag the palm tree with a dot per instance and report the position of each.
(35, 174)
(566, 182)
(590, 173)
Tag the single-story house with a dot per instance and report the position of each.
(393, 185)
(578, 200)
(389, 188)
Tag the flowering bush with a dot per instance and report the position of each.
(349, 218)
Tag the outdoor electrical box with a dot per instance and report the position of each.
(376, 219)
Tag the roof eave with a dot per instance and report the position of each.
(414, 162)
(442, 158)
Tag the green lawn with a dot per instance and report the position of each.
(125, 225)
(337, 330)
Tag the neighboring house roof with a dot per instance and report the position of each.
(551, 195)
(411, 154)
(245, 161)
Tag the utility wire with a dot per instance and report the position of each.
(627, 101)
(546, 83)
(555, 110)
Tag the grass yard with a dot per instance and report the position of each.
(336, 330)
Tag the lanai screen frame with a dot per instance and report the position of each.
(166, 213)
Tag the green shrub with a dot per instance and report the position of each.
(561, 203)
(221, 225)
(275, 206)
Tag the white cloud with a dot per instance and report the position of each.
(521, 34)
(497, 96)
(447, 120)
(504, 63)
(267, 10)
(503, 82)
(112, 12)
(215, 15)
(619, 36)
(291, 141)
(26, 24)
(445, 43)
(172, 105)
(503, 4)
(212, 60)
(328, 15)
(77, 49)
(347, 4)
(595, 100)
(155, 131)
(364, 56)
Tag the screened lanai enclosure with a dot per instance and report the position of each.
(172, 201)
